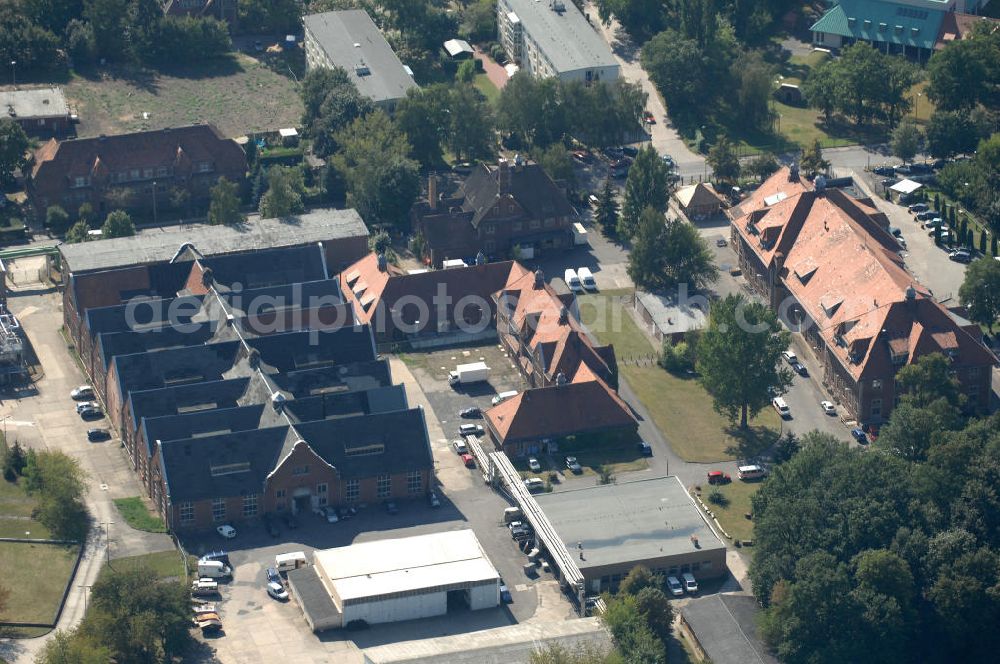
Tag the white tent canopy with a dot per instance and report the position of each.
(906, 186)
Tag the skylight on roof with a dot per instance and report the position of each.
(775, 198)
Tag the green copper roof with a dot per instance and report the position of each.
(875, 21)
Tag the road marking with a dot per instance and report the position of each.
(19, 423)
(104, 487)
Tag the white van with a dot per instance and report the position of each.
(586, 278)
(503, 396)
(285, 562)
(750, 472)
(690, 585)
(572, 280)
(782, 407)
(511, 514)
(214, 569)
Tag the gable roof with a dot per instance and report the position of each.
(567, 40)
(698, 195)
(351, 40)
(559, 410)
(529, 185)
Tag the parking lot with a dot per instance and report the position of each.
(257, 626)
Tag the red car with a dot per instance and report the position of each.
(718, 477)
(648, 118)
(469, 461)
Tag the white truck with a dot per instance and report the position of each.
(579, 234)
(474, 372)
(214, 569)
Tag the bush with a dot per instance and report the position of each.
(57, 219)
(677, 358)
(14, 461)
(718, 498)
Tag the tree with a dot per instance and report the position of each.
(907, 140)
(738, 357)
(630, 632)
(138, 618)
(647, 186)
(58, 482)
(812, 162)
(13, 148)
(587, 653)
(950, 133)
(52, 15)
(81, 44)
(14, 461)
(724, 162)
(117, 224)
(423, 116)
(914, 429)
(78, 232)
(107, 19)
(639, 578)
(33, 47)
(755, 80)
(534, 110)
(72, 648)
(466, 71)
(668, 253)
(606, 214)
(980, 290)
(762, 166)
(557, 163)
(225, 206)
(284, 193)
(479, 21)
(85, 213)
(681, 71)
(331, 102)
(928, 379)
(56, 219)
(821, 89)
(470, 133)
(957, 76)
(640, 18)
(269, 16)
(382, 181)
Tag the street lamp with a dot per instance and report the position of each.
(13, 73)
(154, 202)
(916, 105)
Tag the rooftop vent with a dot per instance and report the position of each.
(539, 278)
(383, 264)
(278, 401)
(558, 6)
(560, 378)
(362, 70)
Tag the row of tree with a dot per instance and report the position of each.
(751, 22)
(975, 183)
(890, 554)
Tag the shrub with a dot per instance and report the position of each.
(718, 498)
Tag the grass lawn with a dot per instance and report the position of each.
(165, 564)
(14, 501)
(27, 528)
(680, 408)
(47, 566)
(732, 515)
(485, 85)
(238, 94)
(134, 511)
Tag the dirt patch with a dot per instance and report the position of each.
(237, 94)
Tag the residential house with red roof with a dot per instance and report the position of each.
(134, 172)
(828, 264)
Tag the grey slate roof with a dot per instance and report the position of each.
(565, 37)
(262, 269)
(142, 313)
(33, 103)
(352, 41)
(154, 246)
(726, 628)
(177, 398)
(530, 186)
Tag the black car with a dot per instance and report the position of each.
(630, 151)
(91, 414)
(884, 170)
(800, 369)
(97, 435)
(644, 448)
(471, 413)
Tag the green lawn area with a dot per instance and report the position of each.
(485, 85)
(732, 516)
(134, 511)
(165, 564)
(14, 501)
(39, 573)
(680, 408)
(27, 528)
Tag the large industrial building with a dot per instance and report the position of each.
(610, 529)
(397, 579)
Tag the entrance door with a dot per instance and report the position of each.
(300, 504)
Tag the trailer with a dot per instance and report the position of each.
(579, 234)
(474, 372)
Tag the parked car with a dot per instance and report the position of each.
(533, 465)
(644, 448)
(80, 407)
(275, 588)
(330, 513)
(790, 356)
(573, 465)
(676, 589)
(828, 407)
(347, 512)
(471, 413)
(961, 256)
(433, 500)
(860, 435)
(97, 435)
(884, 170)
(800, 368)
(82, 392)
(630, 151)
(690, 584)
(469, 461)
(914, 208)
(391, 507)
(930, 224)
(648, 118)
(533, 484)
(91, 413)
(226, 531)
(505, 596)
(470, 430)
(460, 447)
(718, 477)
(928, 214)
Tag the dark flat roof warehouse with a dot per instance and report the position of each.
(630, 521)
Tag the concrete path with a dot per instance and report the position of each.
(47, 421)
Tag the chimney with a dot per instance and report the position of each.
(207, 277)
(503, 176)
(253, 358)
(480, 258)
(277, 401)
(432, 191)
(560, 378)
(793, 173)
(382, 263)
(563, 315)
(539, 279)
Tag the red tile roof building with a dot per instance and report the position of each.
(827, 263)
(121, 172)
